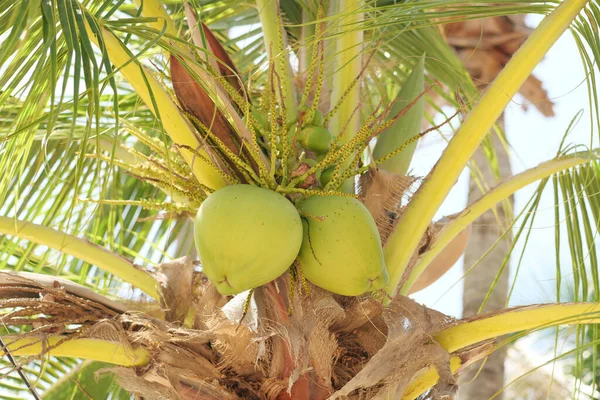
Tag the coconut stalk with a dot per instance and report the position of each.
(345, 96)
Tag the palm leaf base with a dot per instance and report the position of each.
(296, 341)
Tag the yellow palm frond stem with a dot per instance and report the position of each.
(84, 348)
(427, 378)
(427, 200)
(276, 47)
(155, 9)
(491, 325)
(83, 250)
(502, 191)
(495, 324)
(345, 119)
(158, 100)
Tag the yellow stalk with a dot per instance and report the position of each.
(152, 92)
(155, 9)
(489, 200)
(89, 349)
(347, 64)
(426, 379)
(412, 224)
(275, 44)
(484, 327)
(81, 249)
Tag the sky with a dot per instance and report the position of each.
(534, 138)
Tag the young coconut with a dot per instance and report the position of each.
(246, 236)
(342, 252)
(318, 119)
(315, 138)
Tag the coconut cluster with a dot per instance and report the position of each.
(247, 236)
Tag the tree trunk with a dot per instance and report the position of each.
(482, 382)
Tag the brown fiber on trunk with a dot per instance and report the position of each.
(317, 351)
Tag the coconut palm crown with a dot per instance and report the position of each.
(189, 214)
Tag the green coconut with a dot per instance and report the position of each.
(318, 119)
(342, 252)
(246, 236)
(315, 138)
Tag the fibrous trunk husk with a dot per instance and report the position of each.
(382, 193)
(308, 344)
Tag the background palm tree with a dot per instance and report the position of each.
(485, 46)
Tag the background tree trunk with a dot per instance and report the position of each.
(482, 384)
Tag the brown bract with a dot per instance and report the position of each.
(300, 170)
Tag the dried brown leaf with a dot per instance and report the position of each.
(445, 260)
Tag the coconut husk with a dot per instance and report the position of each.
(15, 284)
(218, 59)
(382, 193)
(48, 307)
(140, 386)
(195, 101)
(362, 311)
(176, 278)
(408, 348)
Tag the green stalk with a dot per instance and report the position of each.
(413, 223)
(81, 249)
(89, 349)
(489, 200)
(347, 64)
(406, 127)
(307, 39)
(276, 43)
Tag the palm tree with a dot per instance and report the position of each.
(129, 127)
